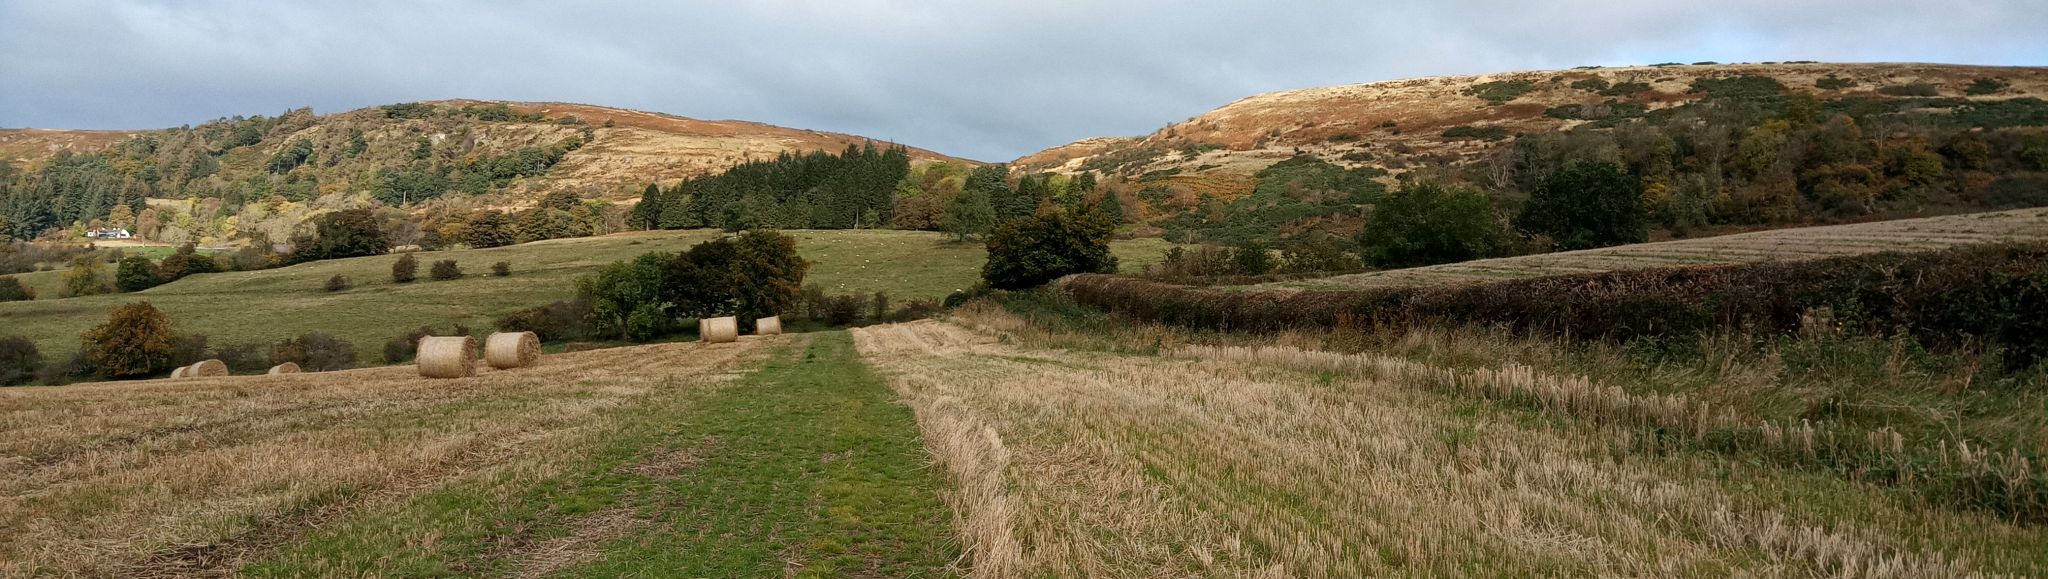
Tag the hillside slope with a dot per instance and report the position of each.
(602, 151)
(1400, 122)
(1715, 147)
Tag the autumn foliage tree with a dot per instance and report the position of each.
(135, 341)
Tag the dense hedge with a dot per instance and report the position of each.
(1985, 295)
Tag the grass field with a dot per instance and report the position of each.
(1125, 450)
(776, 456)
(270, 305)
(1780, 244)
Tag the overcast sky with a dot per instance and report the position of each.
(990, 80)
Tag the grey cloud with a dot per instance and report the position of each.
(980, 78)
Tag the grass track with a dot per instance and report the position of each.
(806, 468)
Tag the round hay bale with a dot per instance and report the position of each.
(180, 372)
(285, 368)
(207, 368)
(768, 326)
(447, 356)
(719, 330)
(507, 350)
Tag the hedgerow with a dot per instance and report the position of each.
(1970, 297)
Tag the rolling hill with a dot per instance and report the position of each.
(617, 150)
(1716, 147)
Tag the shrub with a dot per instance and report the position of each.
(1743, 87)
(316, 352)
(502, 269)
(1984, 86)
(843, 310)
(135, 341)
(339, 234)
(136, 273)
(19, 361)
(1426, 224)
(1586, 205)
(919, 309)
(255, 256)
(1918, 89)
(13, 290)
(85, 279)
(880, 310)
(186, 261)
(401, 349)
(243, 358)
(189, 348)
(1317, 253)
(1251, 258)
(1500, 91)
(1029, 252)
(338, 283)
(490, 229)
(559, 321)
(1832, 82)
(65, 371)
(625, 297)
(445, 269)
(1966, 297)
(1485, 133)
(766, 273)
(406, 269)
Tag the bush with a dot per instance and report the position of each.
(559, 321)
(1988, 85)
(189, 348)
(843, 310)
(919, 309)
(19, 361)
(244, 358)
(186, 261)
(625, 297)
(1587, 205)
(880, 307)
(754, 275)
(1500, 91)
(136, 273)
(1427, 224)
(1029, 252)
(1918, 89)
(13, 290)
(1251, 258)
(135, 341)
(406, 269)
(316, 352)
(502, 269)
(1832, 82)
(1467, 132)
(66, 371)
(339, 234)
(490, 229)
(445, 269)
(402, 348)
(338, 283)
(1967, 297)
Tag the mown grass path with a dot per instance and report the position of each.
(805, 467)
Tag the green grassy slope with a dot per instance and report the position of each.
(271, 305)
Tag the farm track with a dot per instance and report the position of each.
(190, 476)
(1234, 463)
(1924, 234)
